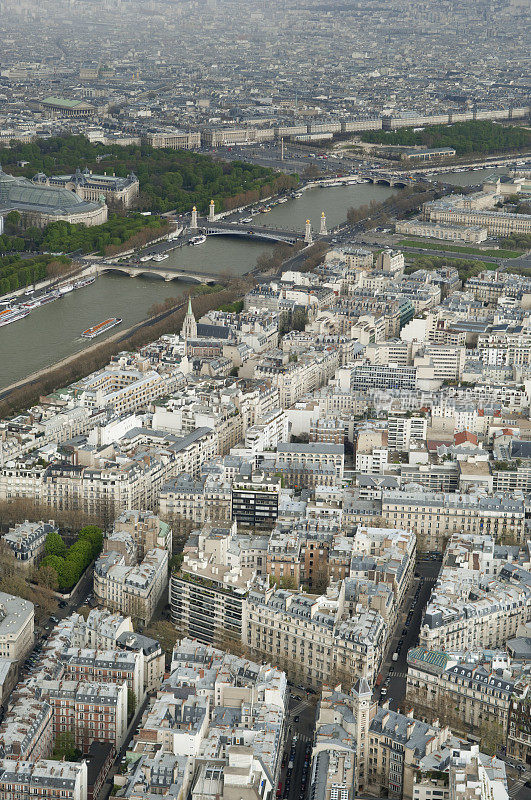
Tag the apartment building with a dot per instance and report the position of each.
(26, 541)
(106, 666)
(390, 261)
(397, 742)
(207, 595)
(216, 729)
(341, 736)
(333, 774)
(93, 711)
(363, 377)
(371, 451)
(384, 748)
(255, 499)
(312, 455)
(472, 607)
(489, 286)
(153, 657)
(446, 362)
(433, 477)
(101, 629)
(514, 478)
(104, 648)
(205, 499)
(42, 780)
(127, 475)
(81, 684)
(471, 691)
(518, 733)
(266, 434)
(26, 732)
(295, 379)
(435, 516)
(327, 431)
(146, 530)
(401, 431)
(133, 590)
(16, 627)
(459, 771)
(123, 389)
(316, 639)
(175, 140)
(393, 351)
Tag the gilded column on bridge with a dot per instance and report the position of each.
(193, 223)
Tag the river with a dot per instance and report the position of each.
(52, 332)
(471, 177)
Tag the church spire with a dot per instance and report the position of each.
(189, 329)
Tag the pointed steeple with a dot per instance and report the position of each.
(189, 329)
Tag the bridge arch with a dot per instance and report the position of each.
(114, 268)
(264, 236)
(383, 182)
(160, 274)
(401, 184)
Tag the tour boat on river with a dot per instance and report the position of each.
(101, 327)
(12, 315)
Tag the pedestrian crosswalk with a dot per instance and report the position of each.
(397, 675)
(299, 707)
(517, 786)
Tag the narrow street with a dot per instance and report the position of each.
(407, 632)
(294, 778)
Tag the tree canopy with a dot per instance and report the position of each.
(169, 179)
(465, 137)
(69, 563)
(17, 272)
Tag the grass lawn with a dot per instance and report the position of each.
(473, 251)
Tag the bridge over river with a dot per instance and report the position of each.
(261, 232)
(167, 273)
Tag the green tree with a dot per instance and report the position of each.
(13, 219)
(68, 574)
(54, 545)
(65, 747)
(131, 703)
(94, 535)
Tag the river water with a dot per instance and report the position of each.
(52, 332)
(471, 177)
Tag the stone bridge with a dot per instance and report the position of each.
(260, 232)
(166, 273)
(400, 181)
